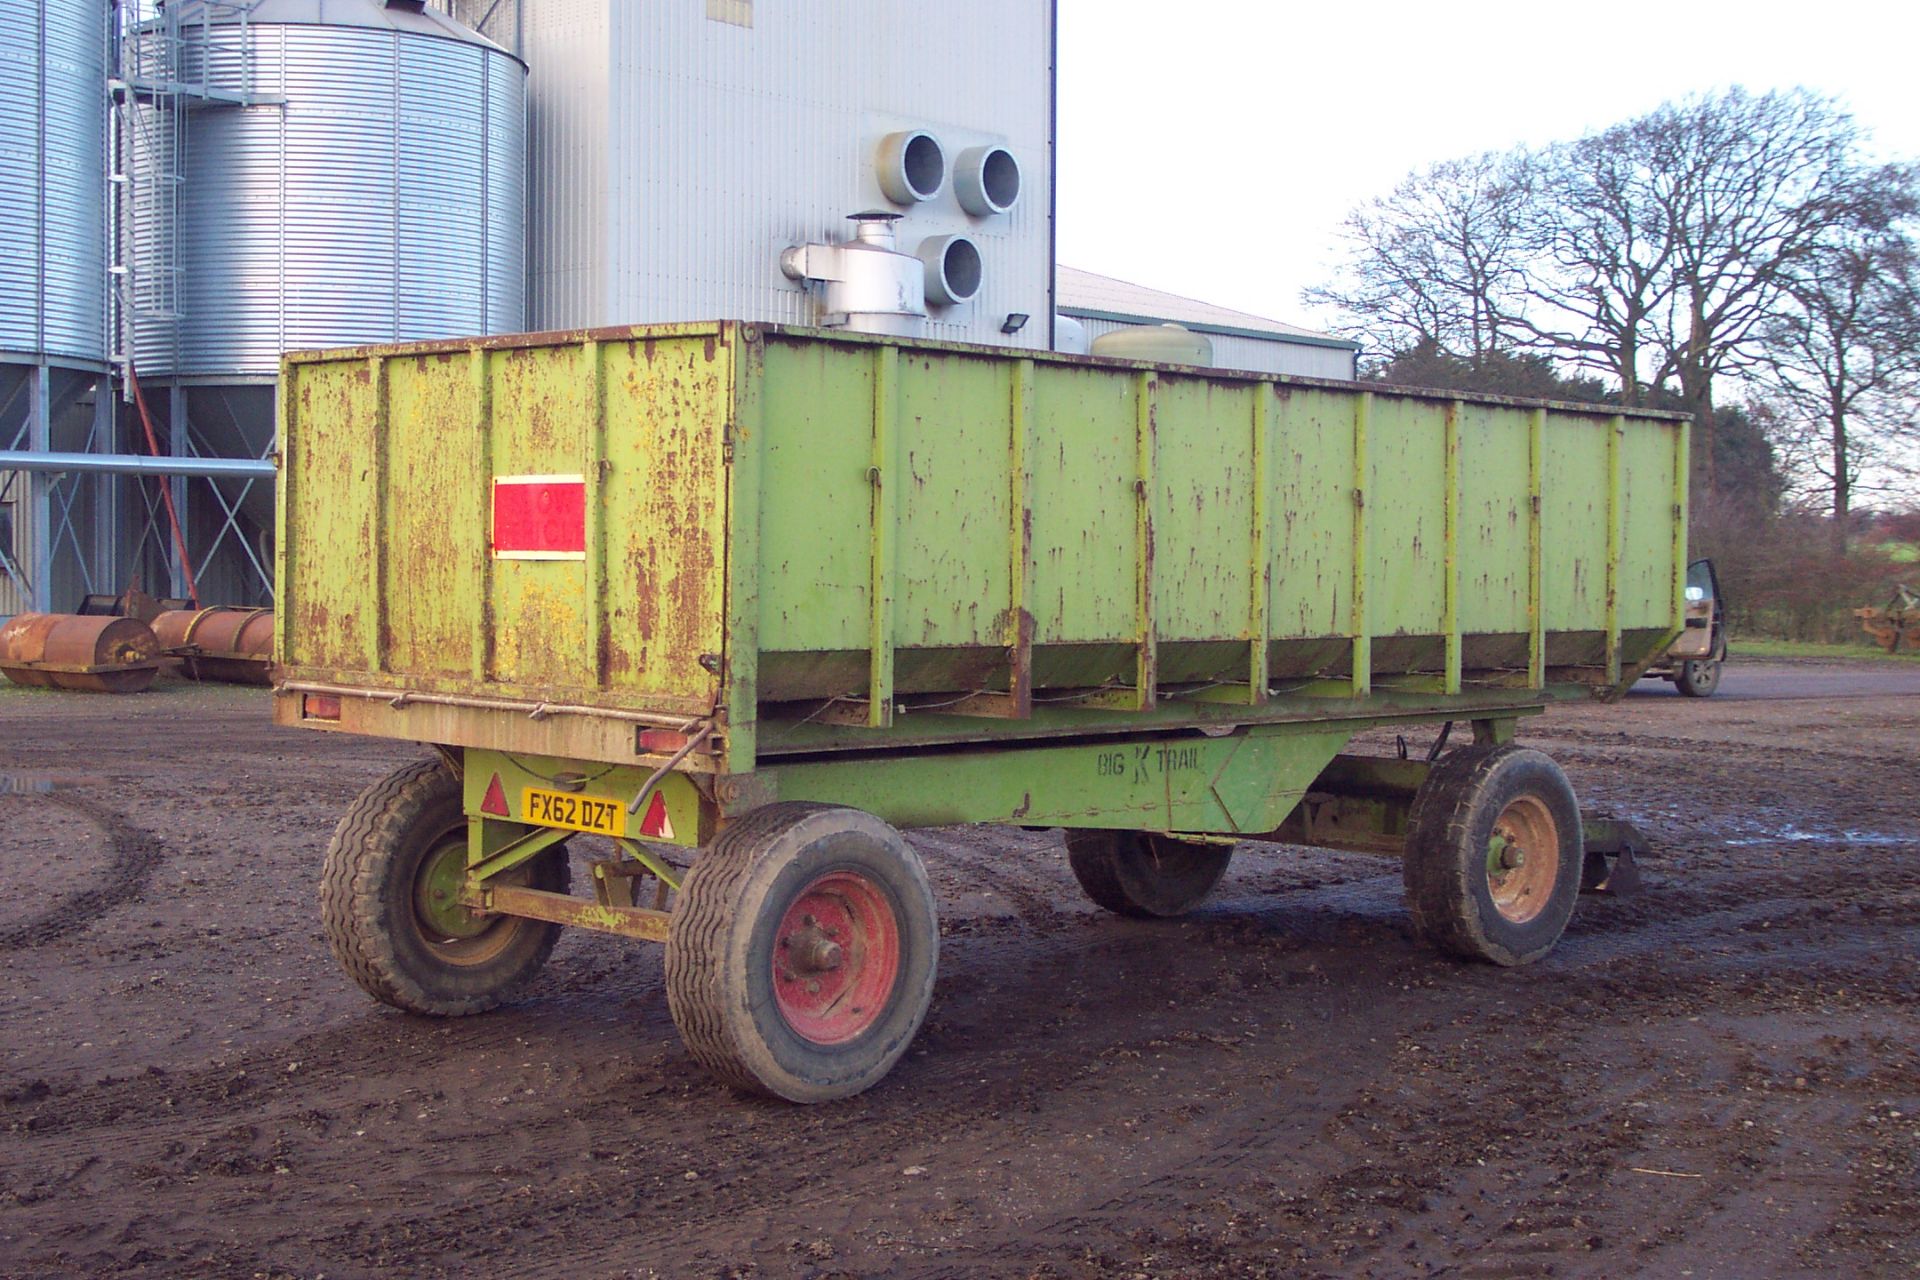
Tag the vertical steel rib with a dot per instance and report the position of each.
(1362, 675)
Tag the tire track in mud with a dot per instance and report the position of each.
(999, 874)
(1766, 761)
(768, 1179)
(1552, 1218)
(151, 1115)
(133, 856)
(1092, 1097)
(1523, 1193)
(382, 1044)
(774, 1174)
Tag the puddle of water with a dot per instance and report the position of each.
(24, 784)
(1793, 835)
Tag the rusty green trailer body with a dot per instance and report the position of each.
(650, 582)
(830, 543)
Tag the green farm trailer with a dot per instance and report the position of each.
(773, 595)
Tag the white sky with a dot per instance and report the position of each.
(1211, 148)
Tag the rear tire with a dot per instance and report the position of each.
(1144, 874)
(1494, 856)
(1698, 679)
(802, 954)
(389, 901)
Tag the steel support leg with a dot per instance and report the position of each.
(40, 488)
(106, 496)
(177, 445)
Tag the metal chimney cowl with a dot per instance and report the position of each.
(871, 286)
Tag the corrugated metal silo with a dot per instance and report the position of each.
(358, 175)
(372, 189)
(53, 179)
(53, 280)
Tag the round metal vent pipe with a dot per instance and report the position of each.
(911, 166)
(986, 180)
(954, 269)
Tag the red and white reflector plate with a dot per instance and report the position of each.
(540, 517)
(495, 801)
(655, 824)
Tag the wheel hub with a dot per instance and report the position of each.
(437, 891)
(836, 958)
(1523, 859)
(813, 951)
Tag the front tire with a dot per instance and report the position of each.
(802, 955)
(389, 899)
(1144, 874)
(1494, 855)
(1698, 679)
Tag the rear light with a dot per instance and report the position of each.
(320, 706)
(662, 741)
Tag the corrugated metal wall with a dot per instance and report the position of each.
(569, 139)
(678, 146)
(1261, 355)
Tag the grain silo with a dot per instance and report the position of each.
(53, 346)
(356, 175)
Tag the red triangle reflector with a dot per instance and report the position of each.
(495, 801)
(656, 824)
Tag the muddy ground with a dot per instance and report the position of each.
(1718, 1078)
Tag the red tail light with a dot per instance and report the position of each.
(319, 706)
(662, 742)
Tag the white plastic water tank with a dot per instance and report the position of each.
(1162, 344)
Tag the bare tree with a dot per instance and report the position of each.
(1749, 185)
(1436, 261)
(1656, 253)
(1600, 249)
(1842, 353)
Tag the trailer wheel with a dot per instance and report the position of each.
(1144, 874)
(389, 901)
(1698, 679)
(1494, 854)
(802, 953)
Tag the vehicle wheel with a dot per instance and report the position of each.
(389, 898)
(1494, 854)
(1698, 679)
(802, 953)
(1141, 873)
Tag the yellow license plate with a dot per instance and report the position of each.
(576, 813)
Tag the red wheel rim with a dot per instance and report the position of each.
(836, 958)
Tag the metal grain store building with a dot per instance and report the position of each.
(677, 148)
(1101, 305)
